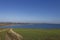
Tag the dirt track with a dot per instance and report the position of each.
(11, 35)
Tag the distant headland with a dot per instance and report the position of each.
(14, 23)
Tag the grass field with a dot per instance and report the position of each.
(39, 34)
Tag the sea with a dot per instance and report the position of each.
(34, 26)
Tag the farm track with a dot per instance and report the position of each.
(11, 35)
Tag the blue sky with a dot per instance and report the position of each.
(42, 11)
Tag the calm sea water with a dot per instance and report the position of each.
(35, 26)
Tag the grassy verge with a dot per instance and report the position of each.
(38, 34)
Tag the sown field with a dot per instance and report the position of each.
(39, 34)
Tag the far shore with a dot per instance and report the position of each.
(6, 24)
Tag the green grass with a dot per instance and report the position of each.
(39, 34)
(2, 35)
